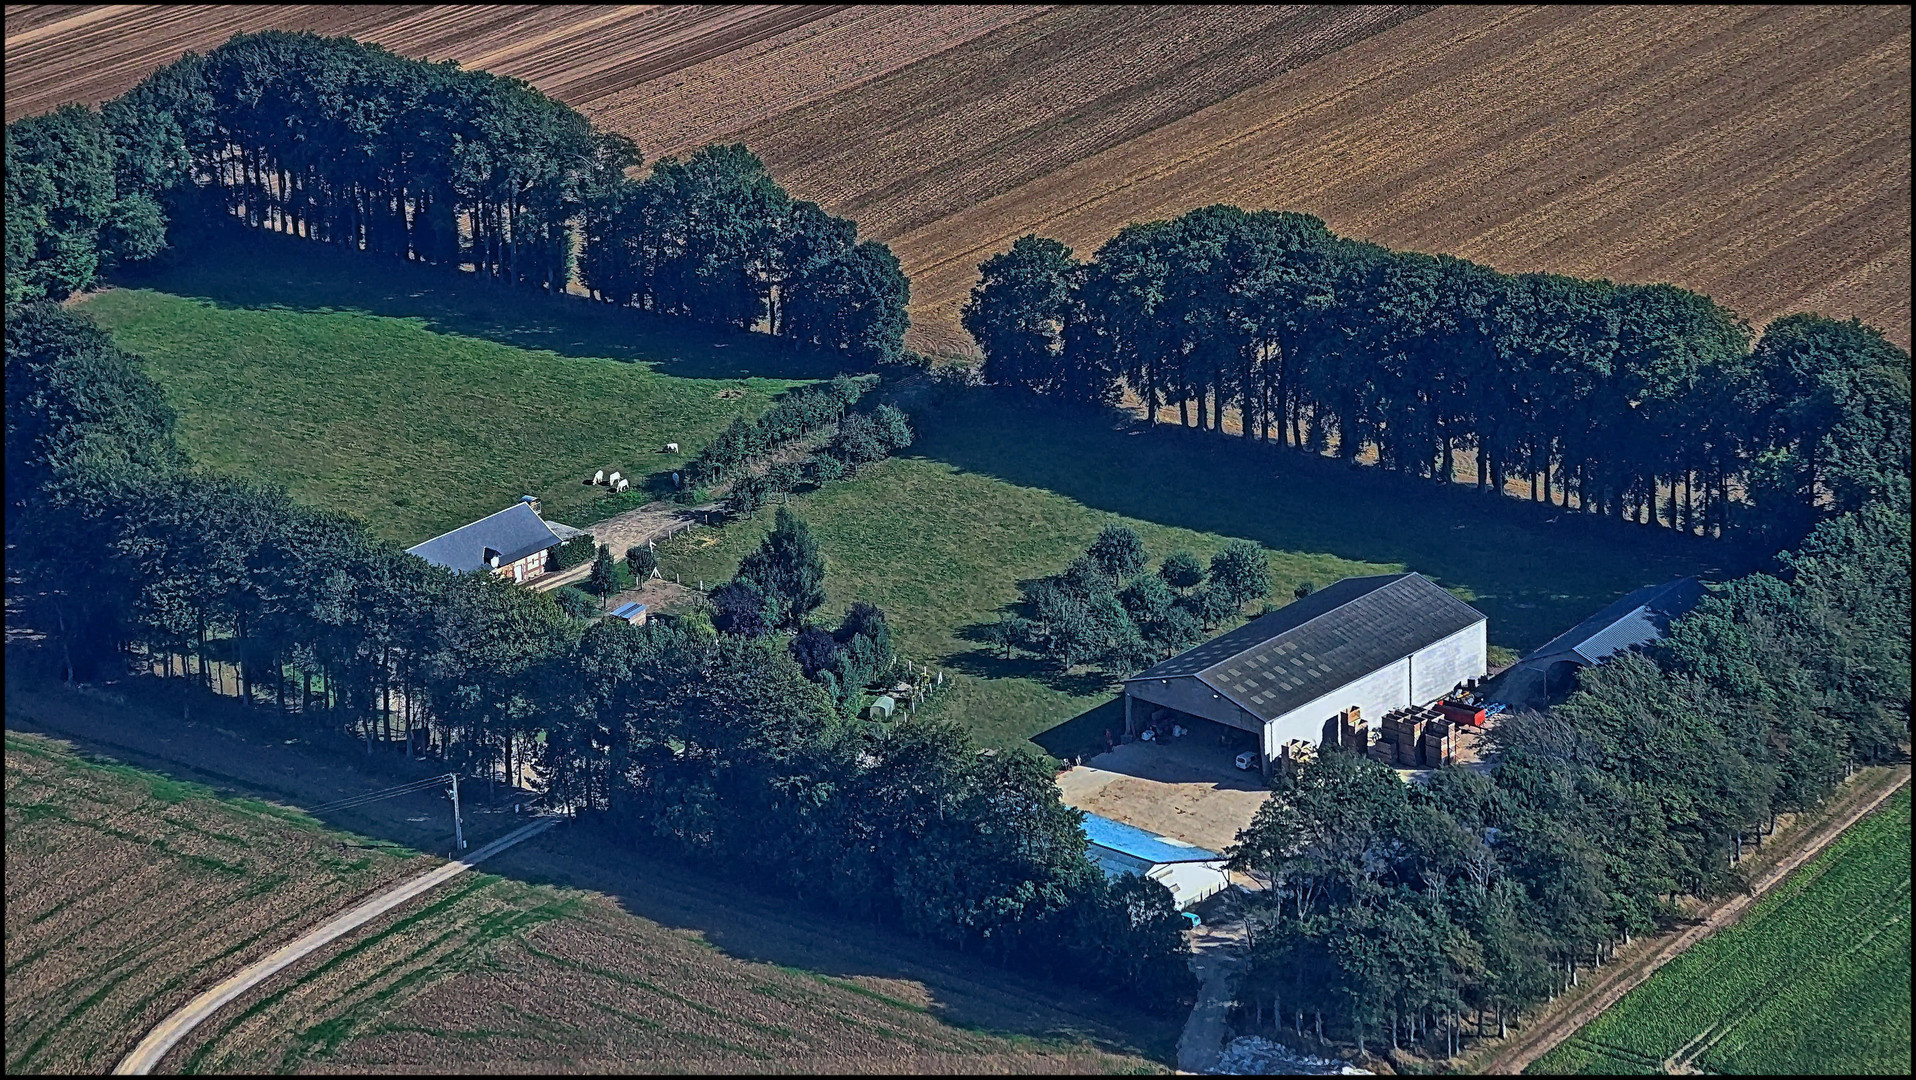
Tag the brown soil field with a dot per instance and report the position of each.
(1756, 154)
(126, 890)
(567, 954)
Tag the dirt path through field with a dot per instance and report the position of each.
(1217, 952)
(1606, 987)
(176, 1027)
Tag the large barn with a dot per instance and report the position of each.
(1379, 643)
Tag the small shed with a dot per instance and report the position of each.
(882, 708)
(1189, 871)
(633, 613)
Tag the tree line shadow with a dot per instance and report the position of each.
(1533, 569)
(236, 267)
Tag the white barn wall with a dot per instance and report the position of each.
(1434, 669)
(1437, 668)
(1379, 692)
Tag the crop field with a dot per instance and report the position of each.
(128, 891)
(998, 489)
(421, 400)
(1814, 980)
(1755, 154)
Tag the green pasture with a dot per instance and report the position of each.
(1815, 980)
(420, 399)
(999, 489)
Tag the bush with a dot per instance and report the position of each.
(574, 552)
(827, 467)
(748, 494)
(738, 610)
(858, 440)
(1181, 570)
(783, 477)
(893, 427)
(575, 602)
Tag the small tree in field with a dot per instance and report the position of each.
(604, 578)
(1181, 570)
(1240, 572)
(641, 561)
(1119, 551)
(788, 567)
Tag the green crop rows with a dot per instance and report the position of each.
(1816, 979)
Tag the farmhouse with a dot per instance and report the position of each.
(1190, 872)
(1379, 643)
(1635, 620)
(514, 543)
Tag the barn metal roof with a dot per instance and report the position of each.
(626, 611)
(515, 532)
(1638, 618)
(1332, 637)
(1139, 844)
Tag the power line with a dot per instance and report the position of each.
(385, 793)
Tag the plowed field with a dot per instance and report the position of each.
(1757, 154)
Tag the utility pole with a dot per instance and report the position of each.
(458, 832)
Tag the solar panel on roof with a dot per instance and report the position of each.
(1332, 637)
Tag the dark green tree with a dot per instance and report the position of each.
(787, 568)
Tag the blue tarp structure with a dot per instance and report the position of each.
(1137, 843)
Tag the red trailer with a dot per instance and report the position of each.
(1461, 713)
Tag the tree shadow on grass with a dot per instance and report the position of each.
(240, 268)
(985, 664)
(1534, 569)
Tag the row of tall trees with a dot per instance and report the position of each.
(1425, 913)
(737, 749)
(343, 142)
(1646, 402)
(716, 239)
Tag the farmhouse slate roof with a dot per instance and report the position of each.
(1332, 637)
(1139, 844)
(515, 532)
(1637, 618)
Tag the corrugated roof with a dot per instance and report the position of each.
(515, 532)
(1137, 843)
(1638, 618)
(626, 611)
(1305, 649)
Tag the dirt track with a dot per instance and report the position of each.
(1756, 154)
(1606, 987)
(180, 1023)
